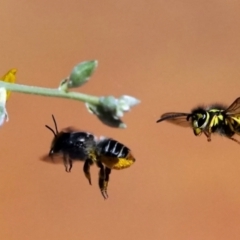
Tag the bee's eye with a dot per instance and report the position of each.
(199, 120)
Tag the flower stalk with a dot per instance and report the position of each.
(108, 109)
(49, 92)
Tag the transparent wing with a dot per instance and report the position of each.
(58, 159)
(234, 122)
(234, 108)
(179, 119)
(70, 129)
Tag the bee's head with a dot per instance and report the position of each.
(199, 118)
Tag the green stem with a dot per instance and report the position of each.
(50, 92)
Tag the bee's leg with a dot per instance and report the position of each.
(235, 140)
(86, 170)
(93, 157)
(210, 126)
(67, 162)
(101, 180)
(208, 135)
(70, 164)
(107, 173)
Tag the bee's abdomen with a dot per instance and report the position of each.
(114, 154)
(113, 148)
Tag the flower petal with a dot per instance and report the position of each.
(10, 77)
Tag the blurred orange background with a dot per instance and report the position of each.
(172, 55)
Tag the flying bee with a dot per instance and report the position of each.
(111, 154)
(73, 145)
(213, 119)
(106, 153)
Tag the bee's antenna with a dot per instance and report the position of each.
(55, 133)
(55, 124)
(51, 130)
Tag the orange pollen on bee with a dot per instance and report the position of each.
(118, 163)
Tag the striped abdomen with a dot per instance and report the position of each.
(114, 154)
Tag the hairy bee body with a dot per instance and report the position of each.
(212, 119)
(216, 118)
(114, 154)
(106, 153)
(75, 145)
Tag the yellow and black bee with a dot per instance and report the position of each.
(213, 119)
(106, 153)
(111, 154)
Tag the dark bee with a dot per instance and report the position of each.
(73, 145)
(213, 119)
(106, 153)
(111, 154)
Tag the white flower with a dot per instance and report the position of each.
(124, 104)
(3, 110)
(110, 110)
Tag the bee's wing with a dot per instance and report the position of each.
(179, 119)
(234, 108)
(70, 129)
(56, 160)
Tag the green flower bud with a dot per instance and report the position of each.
(81, 73)
(110, 109)
(105, 116)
